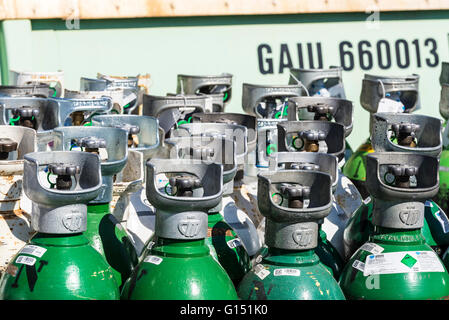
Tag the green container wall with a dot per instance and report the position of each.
(165, 47)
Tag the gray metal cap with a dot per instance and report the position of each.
(122, 99)
(115, 142)
(293, 228)
(170, 109)
(52, 112)
(389, 175)
(341, 110)
(206, 149)
(36, 89)
(25, 139)
(61, 211)
(253, 95)
(209, 85)
(426, 130)
(333, 135)
(47, 115)
(237, 133)
(107, 83)
(426, 178)
(322, 162)
(147, 135)
(444, 75)
(194, 84)
(245, 120)
(183, 217)
(307, 77)
(444, 100)
(374, 88)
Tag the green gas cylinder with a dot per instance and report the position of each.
(397, 263)
(58, 263)
(179, 265)
(354, 167)
(104, 231)
(409, 133)
(291, 270)
(225, 246)
(326, 163)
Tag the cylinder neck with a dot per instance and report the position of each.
(179, 248)
(297, 236)
(60, 240)
(296, 258)
(397, 236)
(400, 214)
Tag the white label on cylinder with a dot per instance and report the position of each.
(261, 272)
(372, 247)
(402, 262)
(30, 261)
(359, 265)
(33, 250)
(153, 260)
(286, 272)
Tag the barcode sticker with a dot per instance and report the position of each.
(153, 260)
(359, 265)
(33, 250)
(29, 261)
(372, 247)
(234, 243)
(261, 272)
(403, 262)
(287, 272)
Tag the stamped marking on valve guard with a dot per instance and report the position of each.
(302, 236)
(189, 227)
(410, 216)
(72, 221)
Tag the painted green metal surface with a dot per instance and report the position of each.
(360, 227)
(442, 198)
(179, 270)
(303, 277)
(328, 255)
(110, 239)
(70, 269)
(394, 286)
(355, 167)
(221, 238)
(348, 151)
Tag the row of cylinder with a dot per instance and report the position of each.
(111, 192)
